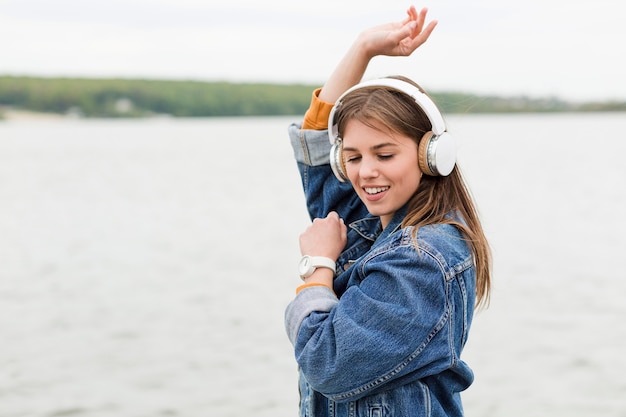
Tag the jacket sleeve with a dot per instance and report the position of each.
(391, 328)
(323, 192)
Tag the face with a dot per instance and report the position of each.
(382, 167)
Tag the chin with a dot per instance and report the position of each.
(377, 212)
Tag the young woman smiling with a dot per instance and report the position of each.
(395, 259)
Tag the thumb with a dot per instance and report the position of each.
(413, 29)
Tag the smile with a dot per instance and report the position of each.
(375, 190)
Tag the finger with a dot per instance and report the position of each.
(421, 36)
(403, 32)
(415, 30)
(412, 13)
(421, 18)
(425, 33)
(413, 17)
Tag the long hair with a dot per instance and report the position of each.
(436, 197)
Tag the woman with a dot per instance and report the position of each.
(395, 259)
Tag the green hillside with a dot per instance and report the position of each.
(85, 97)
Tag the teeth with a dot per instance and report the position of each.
(375, 190)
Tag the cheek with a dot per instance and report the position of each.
(409, 179)
(353, 174)
(411, 182)
(408, 172)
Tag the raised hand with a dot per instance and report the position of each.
(391, 39)
(398, 38)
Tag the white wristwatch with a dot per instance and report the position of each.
(308, 265)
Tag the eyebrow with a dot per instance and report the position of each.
(374, 148)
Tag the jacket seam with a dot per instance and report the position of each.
(445, 318)
(305, 149)
(389, 375)
(431, 335)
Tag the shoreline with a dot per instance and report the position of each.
(12, 114)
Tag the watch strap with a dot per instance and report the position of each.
(315, 262)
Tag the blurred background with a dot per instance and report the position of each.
(145, 262)
(532, 47)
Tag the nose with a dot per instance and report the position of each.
(368, 168)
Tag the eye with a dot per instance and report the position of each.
(385, 157)
(352, 158)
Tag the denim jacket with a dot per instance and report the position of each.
(387, 341)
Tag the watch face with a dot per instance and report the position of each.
(305, 265)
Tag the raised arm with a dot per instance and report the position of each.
(391, 39)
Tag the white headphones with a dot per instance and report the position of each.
(437, 149)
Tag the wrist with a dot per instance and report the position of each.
(321, 276)
(364, 49)
(361, 53)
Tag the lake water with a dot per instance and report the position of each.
(145, 266)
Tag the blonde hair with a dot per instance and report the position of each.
(436, 197)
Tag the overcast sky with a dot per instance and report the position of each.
(571, 49)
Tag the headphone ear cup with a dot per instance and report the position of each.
(336, 161)
(422, 154)
(437, 154)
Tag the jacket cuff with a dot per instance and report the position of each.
(318, 298)
(310, 147)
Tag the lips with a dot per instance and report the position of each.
(375, 190)
(373, 194)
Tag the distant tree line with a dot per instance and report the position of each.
(138, 98)
(85, 97)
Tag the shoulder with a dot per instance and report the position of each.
(441, 245)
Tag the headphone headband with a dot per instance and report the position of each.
(422, 100)
(437, 148)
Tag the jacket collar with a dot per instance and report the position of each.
(371, 228)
